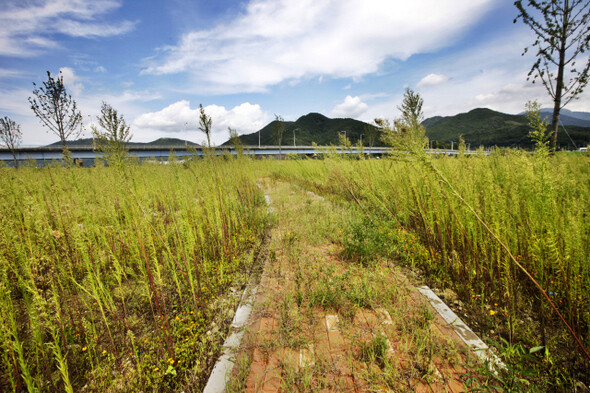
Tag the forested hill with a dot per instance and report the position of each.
(314, 127)
(486, 127)
(480, 126)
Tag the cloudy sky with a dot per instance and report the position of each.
(246, 60)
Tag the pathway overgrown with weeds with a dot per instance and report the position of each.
(324, 322)
(126, 278)
(462, 222)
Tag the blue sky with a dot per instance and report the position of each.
(156, 61)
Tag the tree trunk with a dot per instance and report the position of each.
(64, 147)
(555, 120)
(559, 81)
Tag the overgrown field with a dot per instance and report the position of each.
(126, 279)
(122, 280)
(537, 206)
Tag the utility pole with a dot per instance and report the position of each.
(259, 138)
(362, 139)
(294, 137)
(452, 145)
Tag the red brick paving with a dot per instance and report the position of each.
(331, 346)
(332, 354)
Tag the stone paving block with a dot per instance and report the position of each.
(307, 356)
(253, 384)
(332, 322)
(437, 385)
(267, 326)
(372, 320)
(346, 384)
(451, 375)
(390, 350)
(290, 358)
(337, 343)
(456, 386)
(384, 316)
(320, 336)
(272, 380)
(341, 361)
(257, 371)
(361, 321)
(421, 387)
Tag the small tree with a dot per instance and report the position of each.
(562, 33)
(205, 124)
(11, 136)
(344, 143)
(371, 133)
(538, 126)
(278, 131)
(57, 110)
(235, 141)
(114, 135)
(407, 133)
(462, 145)
(411, 109)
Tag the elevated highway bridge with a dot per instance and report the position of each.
(87, 155)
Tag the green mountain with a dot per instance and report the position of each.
(161, 142)
(478, 127)
(313, 127)
(486, 127)
(166, 142)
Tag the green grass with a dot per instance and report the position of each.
(119, 281)
(536, 205)
(124, 280)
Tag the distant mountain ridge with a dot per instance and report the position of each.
(487, 127)
(165, 142)
(567, 117)
(479, 127)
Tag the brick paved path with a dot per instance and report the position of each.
(396, 343)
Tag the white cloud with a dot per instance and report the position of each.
(11, 73)
(15, 102)
(351, 107)
(71, 80)
(492, 75)
(278, 40)
(477, 77)
(100, 69)
(28, 27)
(432, 80)
(180, 120)
(82, 29)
